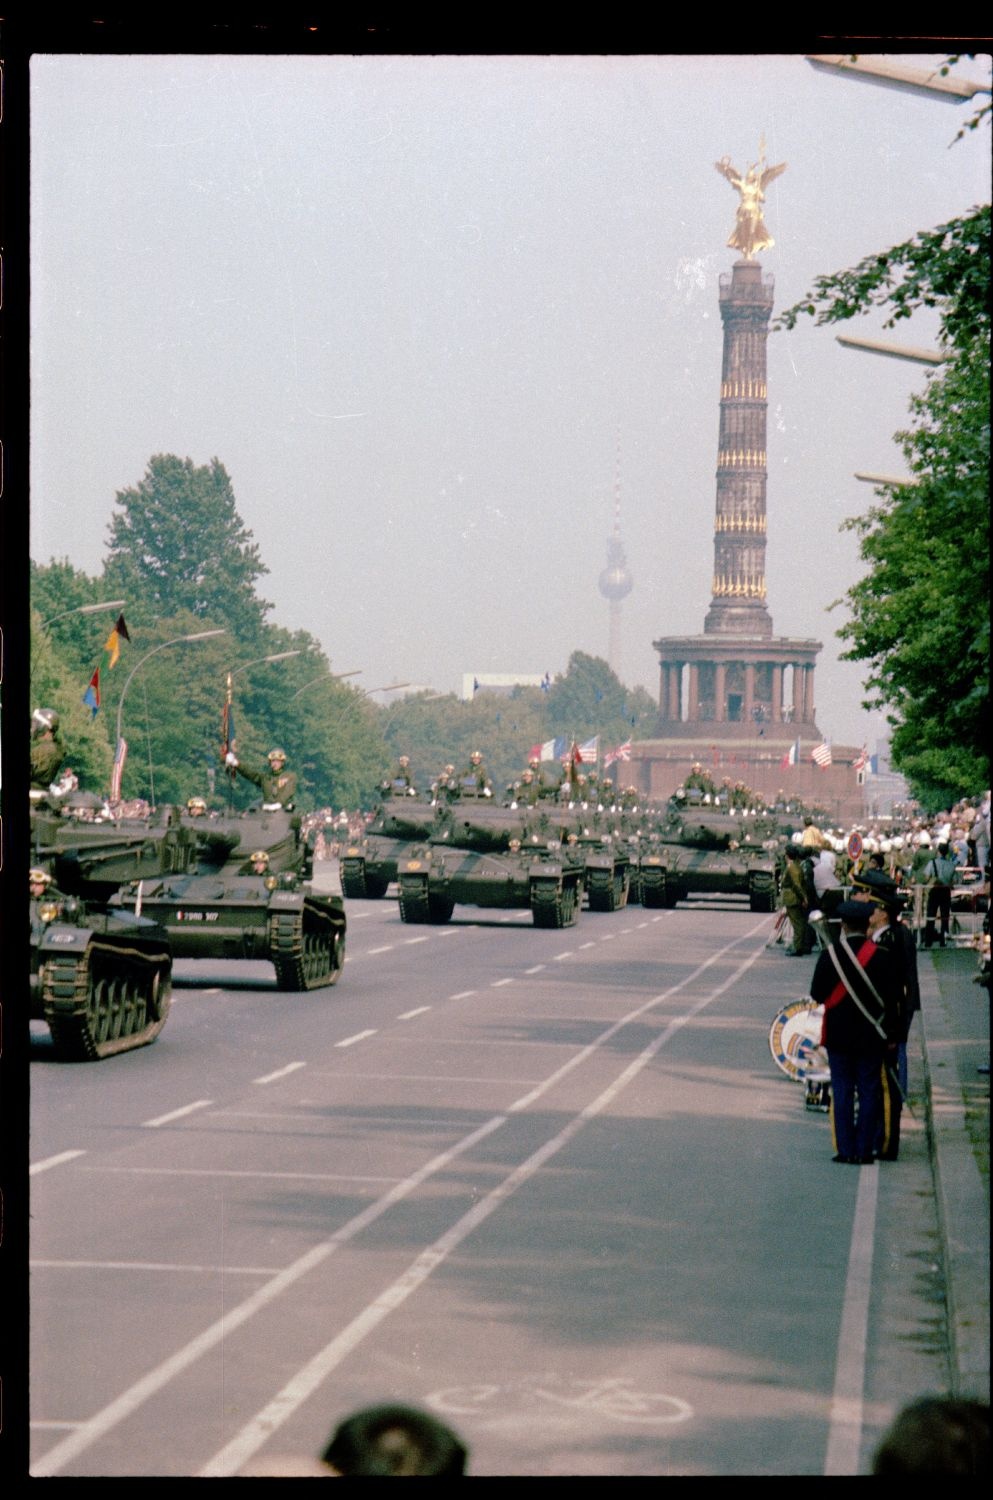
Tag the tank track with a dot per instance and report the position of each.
(607, 890)
(414, 905)
(653, 887)
(307, 947)
(762, 895)
(353, 879)
(106, 999)
(555, 905)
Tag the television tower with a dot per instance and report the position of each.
(615, 580)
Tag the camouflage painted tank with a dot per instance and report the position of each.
(709, 850)
(225, 908)
(368, 864)
(101, 978)
(492, 856)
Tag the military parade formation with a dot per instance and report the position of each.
(116, 892)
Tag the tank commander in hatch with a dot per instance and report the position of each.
(279, 786)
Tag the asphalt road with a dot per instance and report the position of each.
(548, 1184)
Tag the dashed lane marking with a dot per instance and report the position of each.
(54, 1161)
(498, 983)
(462, 995)
(358, 1037)
(176, 1114)
(535, 970)
(408, 1015)
(279, 1073)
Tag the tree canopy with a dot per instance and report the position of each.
(920, 615)
(179, 544)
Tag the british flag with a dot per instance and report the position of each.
(620, 752)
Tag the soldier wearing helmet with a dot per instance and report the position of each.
(38, 882)
(259, 862)
(699, 779)
(47, 748)
(475, 775)
(279, 786)
(196, 807)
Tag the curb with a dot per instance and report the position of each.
(960, 1195)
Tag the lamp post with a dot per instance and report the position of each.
(259, 660)
(84, 609)
(389, 687)
(179, 640)
(325, 677)
(930, 83)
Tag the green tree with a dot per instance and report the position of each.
(590, 699)
(920, 616)
(56, 683)
(178, 544)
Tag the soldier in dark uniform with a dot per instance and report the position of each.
(279, 786)
(889, 933)
(48, 750)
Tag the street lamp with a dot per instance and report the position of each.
(390, 687)
(179, 640)
(325, 677)
(892, 351)
(895, 76)
(259, 660)
(84, 609)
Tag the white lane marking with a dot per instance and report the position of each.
(57, 1426)
(358, 916)
(409, 941)
(307, 1380)
(408, 1015)
(845, 1422)
(230, 1172)
(358, 1037)
(149, 1265)
(54, 1161)
(641, 925)
(462, 995)
(657, 919)
(136, 1395)
(560, 956)
(448, 932)
(387, 949)
(279, 1073)
(498, 983)
(608, 937)
(634, 1015)
(536, 969)
(214, 990)
(590, 944)
(176, 1114)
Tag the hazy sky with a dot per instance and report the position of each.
(417, 306)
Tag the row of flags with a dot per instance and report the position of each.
(111, 652)
(587, 753)
(821, 756)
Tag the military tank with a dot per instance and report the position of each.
(100, 978)
(368, 864)
(708, 849)
(493, 856)
(227, 908)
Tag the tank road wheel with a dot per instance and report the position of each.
(569, 905)
(375, 886)
(653, 887)
(440, 909)
(307, 947)
(414, 902)
(555, 903)
(103, 1001)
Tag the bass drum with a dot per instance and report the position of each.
(795, 1041)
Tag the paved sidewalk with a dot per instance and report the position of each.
(955, 1042)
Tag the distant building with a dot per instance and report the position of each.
(502, 683)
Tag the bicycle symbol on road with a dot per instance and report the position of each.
(612, 1397)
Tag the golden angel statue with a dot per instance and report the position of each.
(750, 234)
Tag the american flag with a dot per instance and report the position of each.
(821, 754)
(620, 752)
(120, 756)
(589, 750)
